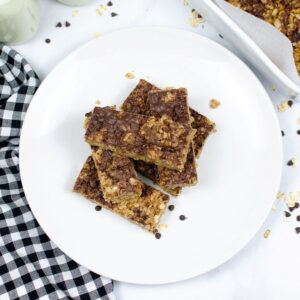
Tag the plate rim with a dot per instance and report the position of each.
(273, 115)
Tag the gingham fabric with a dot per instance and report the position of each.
(31, 266)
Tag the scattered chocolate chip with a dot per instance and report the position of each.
(221, 36)
(182, 217)
(290, 163)
(171, 207)
(298, 131)
(297, 230)
(193, 10)
(287, 214)
(282, 133)
(290, 103)
(109, 3)
(298, 218)
(98, 208)
(67, 24)
(199, 16)
(291, 209)
(58, 24)
(157, 235)
(48, 41)
(113, 14)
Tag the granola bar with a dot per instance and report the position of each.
(145, 210)
(204, 127)
(117, 176)
(136, 102)
(159, 141)
(150, 171)
(173, 104)
(283, 14)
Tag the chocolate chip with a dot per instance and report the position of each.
(291, 209)
(193, 10)
(109, 3)
(298, 218)
(298, 131)
(157, 235)
(297, 230)
(182, 217)
(48, 41)
(221, 36)
(113, 14)
(67, 24)
(98, 208)
(171, 207)
(290, 163)
(290, 103)
(58, 24)
(287, 214)
(282, 133)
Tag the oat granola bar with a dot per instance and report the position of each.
(117, 176)
(173, 104)
(283, 14)
(159, 141)
(136, 102)
(145, 210)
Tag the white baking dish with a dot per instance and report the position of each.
(249, 49)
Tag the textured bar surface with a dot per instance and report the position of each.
(283, 14)
(159, 141)
(145, 211)
(173, 104)
(117, 176)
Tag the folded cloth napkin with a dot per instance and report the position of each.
(31, 266)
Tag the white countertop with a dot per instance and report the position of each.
(266, 268)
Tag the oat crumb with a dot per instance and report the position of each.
(298, 121)
(163, 226)
(101, 9)
(274, 208)
(98, 102)
(283, 106)
(75, 13)
(267, 233)
(280, 195)
(129, 75)
(195, 19)
(97, 34)
(273, 87)
(185, 2)
(292, 198)
(214, 103)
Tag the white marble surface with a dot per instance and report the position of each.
(267, 269)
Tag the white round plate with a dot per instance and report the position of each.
(239, 169)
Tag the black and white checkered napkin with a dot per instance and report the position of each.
(31, 266)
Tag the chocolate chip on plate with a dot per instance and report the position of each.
(48, 41)
(287, 214)
(298, 218)
(171, 207)
(182, 217)
(157, 235)
(298, 131)
(67, 24)
(297, 230)
(109, 3)
(98, 207)
(282, 133)
(290, 103)
(113, 14)
(58, 24)
(290, 163)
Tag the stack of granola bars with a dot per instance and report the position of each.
(155, 134)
